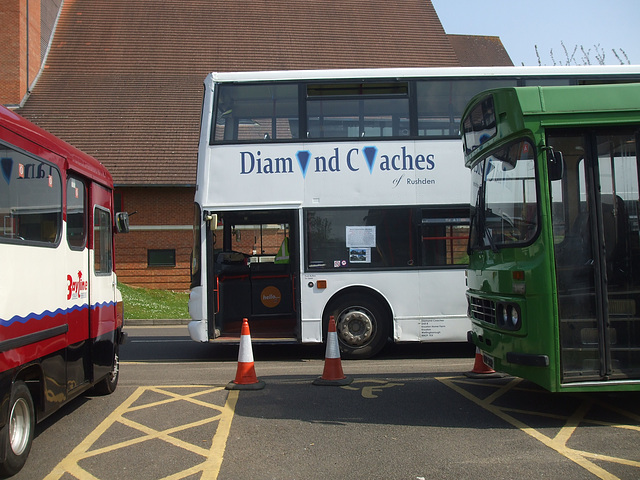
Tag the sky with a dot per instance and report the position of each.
(523, 25)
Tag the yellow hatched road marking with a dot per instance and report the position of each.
(559, 442)
(210, 467)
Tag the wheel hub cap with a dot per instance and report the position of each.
(355, 327)
(19, 427)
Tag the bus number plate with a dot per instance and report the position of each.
(488, 360)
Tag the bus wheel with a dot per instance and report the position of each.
(18, 433)
(109, 383)
(362, 325)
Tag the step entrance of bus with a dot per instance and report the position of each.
(253, 274)
(262, 293)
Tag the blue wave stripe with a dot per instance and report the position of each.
(49, 313)
(103, 305)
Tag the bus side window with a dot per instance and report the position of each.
(102, 241)
(445, 233)
(76, 214)
(30, 199)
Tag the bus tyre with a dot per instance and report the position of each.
(362, 325)
(109, 383)
(19, 430)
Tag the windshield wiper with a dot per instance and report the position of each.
(479, 218)
(489, 237)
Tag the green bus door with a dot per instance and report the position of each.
(597, 254)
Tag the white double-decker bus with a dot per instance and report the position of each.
(340, 193)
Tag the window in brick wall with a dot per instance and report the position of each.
(161, 258)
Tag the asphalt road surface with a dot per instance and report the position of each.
(410, 413)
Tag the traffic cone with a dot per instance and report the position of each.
(481, 369)
(332, 374)
(246, 374)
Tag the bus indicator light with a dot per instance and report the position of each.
(518, 285)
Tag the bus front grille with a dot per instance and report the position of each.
(481, 309)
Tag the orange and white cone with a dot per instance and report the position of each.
(481, 369)
(332, 374)
(246, 378)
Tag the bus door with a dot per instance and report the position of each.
(77, 277)
(254, 273)
(102, 282)
(597, 252)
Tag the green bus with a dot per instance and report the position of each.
(553, 283)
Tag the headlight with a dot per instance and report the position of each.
(515, 318)
(508, 316)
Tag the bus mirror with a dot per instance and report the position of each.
(212, 218)
(555, 164)
(122, 222)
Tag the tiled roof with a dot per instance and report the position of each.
(123, 79)
(480, 51)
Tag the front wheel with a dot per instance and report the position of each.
(109, 383)
(18, 432)
(362, 325)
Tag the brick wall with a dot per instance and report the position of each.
(10, 53)
(163, 220)
(17, 69)
(256, 242)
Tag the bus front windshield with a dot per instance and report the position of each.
(504, 198)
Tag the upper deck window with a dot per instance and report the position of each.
(344, 109)
(440, 103)
(262, 112)
(357, 110)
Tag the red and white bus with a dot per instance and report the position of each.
(61, 313)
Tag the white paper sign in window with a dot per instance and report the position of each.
(361, 236)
